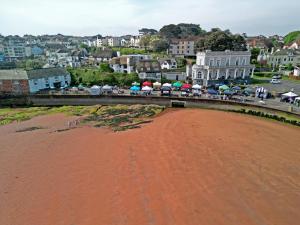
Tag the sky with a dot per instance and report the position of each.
(120, 17)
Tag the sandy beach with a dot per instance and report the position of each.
(187, 167)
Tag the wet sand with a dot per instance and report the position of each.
(188, 167)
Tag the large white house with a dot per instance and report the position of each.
(41, 79)
(212, 67)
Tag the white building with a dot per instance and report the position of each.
(42, 79)
(297, 71)
(114, 41)
(168, 64)
(127, 64)
(214, 67)
(135, 41)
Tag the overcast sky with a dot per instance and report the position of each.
(118, 17)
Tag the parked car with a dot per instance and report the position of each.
(275, 81)
(276, 77)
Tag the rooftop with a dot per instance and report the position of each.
(13, 75)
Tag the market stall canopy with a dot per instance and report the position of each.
(166, 88)
(167, 85)
(147, 88)
(228, 92)
(135, 88)
(95, 90)
(177, 84)
(236, 88)
(135, 84)
(147, 83)
(196, 86)
(186, 86)
(107, 88)
(290, 94)
(157, 84)
(224, 87)
(249, 90)
(212, 92)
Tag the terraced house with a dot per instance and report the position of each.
(220, 66)
(13, 82)
(182, 47)
(42, 79)
(284, 57)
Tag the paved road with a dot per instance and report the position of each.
(285, 86)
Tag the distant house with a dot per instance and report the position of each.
(149, 70)
(103, 56)
(182, 47)
(257, 42)
(167, 64)
(284, 57)
(297, 71)
(181, 76)
(293, 45)
(135, 41)
(2, 57)
(127, 64)
(42, 79)
(13, 82)
(36, 51)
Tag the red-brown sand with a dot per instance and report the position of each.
(188, 167)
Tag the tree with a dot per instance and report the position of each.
(254, 53)
(170, 31)
(218, 40)
(182, 30)
(160, 45)
(145, 41)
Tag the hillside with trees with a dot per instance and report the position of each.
(291, 37)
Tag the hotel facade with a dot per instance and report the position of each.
(216, 66)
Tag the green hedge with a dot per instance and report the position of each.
(269, 116)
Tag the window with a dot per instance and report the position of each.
(218, 62)
(211, 62)
(35, 82)
(237, 62)
(16, 82)
(227, 62)
(199, 75)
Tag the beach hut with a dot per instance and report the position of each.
(147, 83)
(95, 90)
(156, 85)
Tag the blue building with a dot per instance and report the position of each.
(2, 57)
(35, 50)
